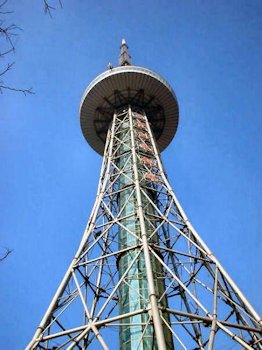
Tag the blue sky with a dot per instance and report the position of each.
(211, 54)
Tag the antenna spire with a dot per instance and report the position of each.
(124, 58)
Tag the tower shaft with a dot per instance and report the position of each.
(145, 281)
(141, 269)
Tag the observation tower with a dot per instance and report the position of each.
(142, 277)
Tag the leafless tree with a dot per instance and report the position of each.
(9, 33)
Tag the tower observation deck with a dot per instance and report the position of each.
(123, 86)
(142, 277)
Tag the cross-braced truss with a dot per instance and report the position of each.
(142, 277)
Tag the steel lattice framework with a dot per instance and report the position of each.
(142, 273)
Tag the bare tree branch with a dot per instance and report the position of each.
(24, 91)
(8, 33)
(7, 68)
(2, 4)
(5, 255)
(7, 52)
(49, 8)
(6, 87)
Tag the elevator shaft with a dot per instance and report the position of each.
(135, 155)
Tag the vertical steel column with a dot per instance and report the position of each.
(151, 288)
(129, 291)
(138, 331)
(131, 332)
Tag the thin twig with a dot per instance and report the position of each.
(8, 67)
(49, 8)
(3, 257)
(3, 3)
(7, 34)
(24, 91)
(7, 52)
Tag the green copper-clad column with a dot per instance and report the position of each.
(137, 331)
